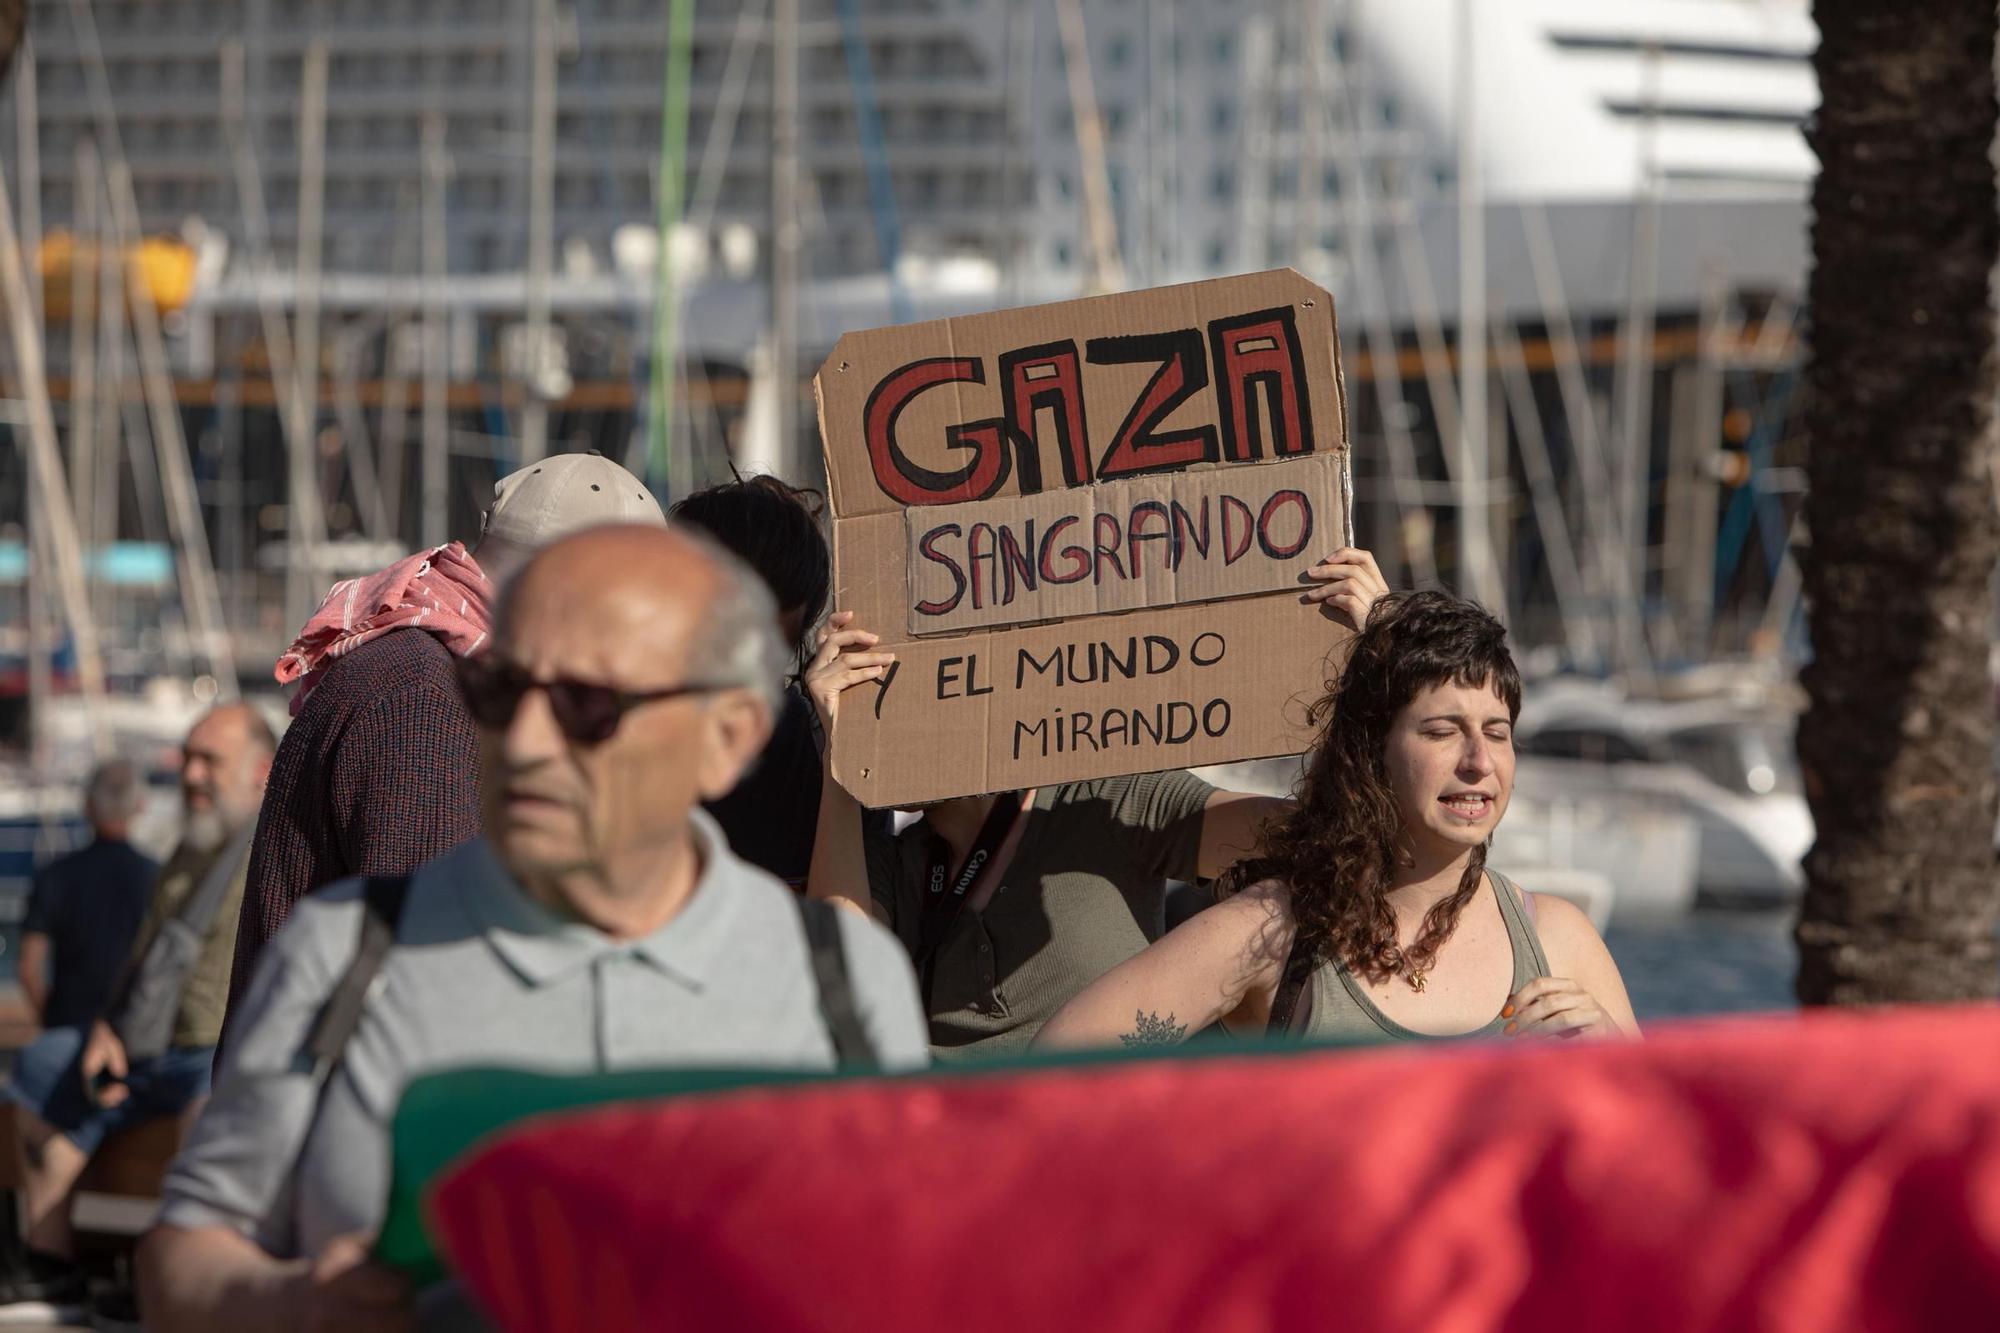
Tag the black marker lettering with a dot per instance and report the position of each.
(946, 676)
(1107, 547)
(1186, 534)
(1134, 534)
(1127, 668)
(982, 592)
(1026, 659)
(972, 685)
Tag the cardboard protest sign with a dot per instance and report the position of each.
(1083, 529)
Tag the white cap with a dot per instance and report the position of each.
(544, 501)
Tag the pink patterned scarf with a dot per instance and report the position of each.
(442, 591)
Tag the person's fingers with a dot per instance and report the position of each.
(112, 1094)
(1354, 603)
(1331, 583)
(1539, 1010)
(1366, 560)
(838, 682)
(842, 669)
(833, 645)
(1567, 1023)
(1534, 989)
(1558, 990)
(1544, 1009)
(114, 1060)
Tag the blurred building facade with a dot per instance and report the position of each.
(1639, 165)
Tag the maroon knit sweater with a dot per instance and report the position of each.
(377, 775)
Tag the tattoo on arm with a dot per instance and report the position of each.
(1152, 1030)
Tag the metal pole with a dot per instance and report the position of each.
(290, 387)
(45, 462)
(27, 129)
(1312, 166)
(199, 594)
(28, 162)
(1253, 166)
(1416, 528)
(355, 444)
(1475, 536)
(1605, 573)
(110, 412)
(786, 232)
(83, 340)
(39, 638)
(672, 199)
(436, 454)
(541, 230)
(1107, 268)
(307, 529)
(198, 590)
(1564, 572)
(1698, 560)
(1164, 263)
(1020, 134)
(1635, 349)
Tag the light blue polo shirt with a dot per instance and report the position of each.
(483, 975)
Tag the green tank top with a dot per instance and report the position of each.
(1342, 1010)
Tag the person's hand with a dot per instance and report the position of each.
(1349, 583)
(346, 1292)
(1556, 1007)
(842, 660)
(104, 1053)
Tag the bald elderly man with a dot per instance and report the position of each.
(600, 923)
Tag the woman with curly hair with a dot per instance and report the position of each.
(1369, 912)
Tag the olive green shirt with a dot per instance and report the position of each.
(1339, 1008)
(199, 1022)
(1085, 890)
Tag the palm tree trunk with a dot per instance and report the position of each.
(1897, 744)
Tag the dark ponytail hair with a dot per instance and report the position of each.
(775, 529)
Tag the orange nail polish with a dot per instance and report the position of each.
(1506, 1011)
(1508, 1031)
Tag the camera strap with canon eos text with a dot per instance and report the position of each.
(945, 894)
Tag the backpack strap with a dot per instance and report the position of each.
(382, 911)
(851, 1047)
(1291, 985)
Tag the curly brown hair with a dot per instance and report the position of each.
(1338, 849)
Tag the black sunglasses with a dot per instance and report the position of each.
(588, 713)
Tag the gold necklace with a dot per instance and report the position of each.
(1416, 979)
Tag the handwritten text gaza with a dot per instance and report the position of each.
(1256, 354)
